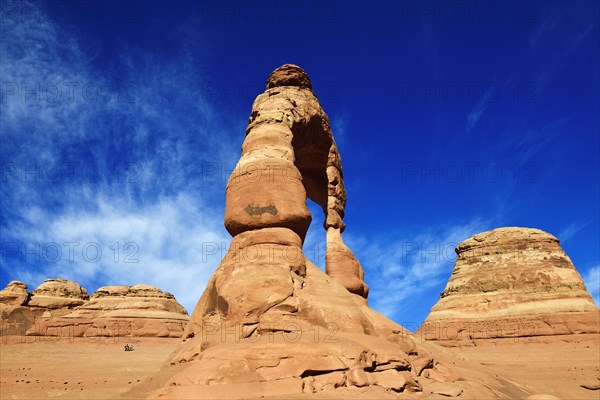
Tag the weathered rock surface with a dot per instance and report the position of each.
(58, 293)
(270, 323)
(310, 336)
(14, 294)
(19, 310)
(511, 282)
(542, 397)
(289, 155)
(62, 308)
(15, 319)
(120, 311)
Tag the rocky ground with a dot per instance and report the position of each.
(97, 368)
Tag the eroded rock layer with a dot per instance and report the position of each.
(289, 155)
(15, 317)
(14, 294)
(58, 294)
(20, 310)
(511, 282)
(62, 308)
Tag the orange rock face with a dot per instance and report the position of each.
(289, 155)
(511, 282)
(270, 322)
(15, 294)
(58, 294)
(20, 311)
(62, 308)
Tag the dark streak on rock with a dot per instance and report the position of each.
(257, 210)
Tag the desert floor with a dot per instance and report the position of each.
(46, 368)
(77, 369)
(555, 365)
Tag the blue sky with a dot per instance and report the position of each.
(120, 123)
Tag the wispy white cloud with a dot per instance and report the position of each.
(339, 127)
(98, 159)
(592, 283)
(580, 36)
(563, 46)
(528, 143)
(174, 244)
(571, 230)
(401, 268)
(475, 115)
(546, 24)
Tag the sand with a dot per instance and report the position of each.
(544, 365)
(101, 369)
(78, 368)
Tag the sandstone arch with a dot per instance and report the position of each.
(289, 154)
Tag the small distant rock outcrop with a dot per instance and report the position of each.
(58, 294)
(511, 282)
(138, 301)
(139, 310)
(59, 307)
(19, 309)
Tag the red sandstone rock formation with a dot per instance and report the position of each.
(289, 154)
(53, 298)
(269, 321)
(120, 311)
(62, 308)
(58, 294)
(14, 294)
(511, 282)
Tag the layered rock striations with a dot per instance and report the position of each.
(58, 294)
(289, 155)
(120, 311)
(19, 310)
(15, 319)
(269, 321)
(511, 282)
(59, 307)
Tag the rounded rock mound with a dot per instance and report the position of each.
(14, 294)
(116, 311)
(511, 282)
(58, 293)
